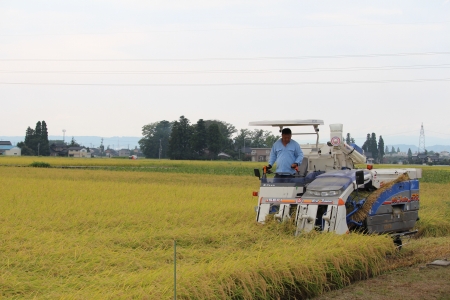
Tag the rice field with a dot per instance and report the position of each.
(139, 165)
(97, 234)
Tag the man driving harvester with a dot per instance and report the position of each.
(287, 154)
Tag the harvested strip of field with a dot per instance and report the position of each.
(411, 283)
(98, 234)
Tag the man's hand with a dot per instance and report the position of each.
(268, 167)
(294, 165)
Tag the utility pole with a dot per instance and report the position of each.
(422, 140)
(64, 135)
(160, 148)
(244, 147)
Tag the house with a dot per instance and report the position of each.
(111, 153)
(420, 158)
(433, 158)
(10, 150)
(246, 153)
(260, 154)
(124, 152)
(78, 152)
(95, 152)
(58, 149)
(7, 149)
(444, 154)
(137, 151)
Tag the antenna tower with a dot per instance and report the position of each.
(64, 135)
(421, 140)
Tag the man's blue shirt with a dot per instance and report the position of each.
(285, 156)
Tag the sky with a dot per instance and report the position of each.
(107, 68)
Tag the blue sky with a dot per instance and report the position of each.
(106, 68)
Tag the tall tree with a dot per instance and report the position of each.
(386, 150)
(155, 139)
(38, 130)
(398, 149)
(373, 146)
(180, 139)
(73, 143)
(243, 138)
(214, 140)
(392, 150)
(366, 145)
(409, 155)
(24, 149)
(348, 139)
(36, 141)
(199, 138)
(270, 139)
(45, 145)
(29, 135)
(227, 130)
(381, 148)
(102, 147)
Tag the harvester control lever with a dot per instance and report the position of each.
(266, 169)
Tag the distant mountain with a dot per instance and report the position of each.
(131, 142)
(115, 142)
(404, 148)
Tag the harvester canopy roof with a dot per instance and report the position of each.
(284, 123)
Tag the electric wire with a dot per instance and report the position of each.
(226, 29)
(260, 71)
(438, 132)
(229, 84)
(230, 58)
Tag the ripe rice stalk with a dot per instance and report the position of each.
(362, 213)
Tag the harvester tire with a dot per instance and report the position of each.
(398, 243)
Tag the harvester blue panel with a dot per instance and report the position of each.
(414, 184)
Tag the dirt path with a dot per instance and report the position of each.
(420, 282)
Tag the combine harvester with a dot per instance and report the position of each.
(328, 194)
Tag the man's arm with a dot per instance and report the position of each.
(273, 155)
(298, 154)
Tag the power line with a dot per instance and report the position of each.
(227, 84)
(351, 69)
(438, 132)
(226, 29)
(231, 58)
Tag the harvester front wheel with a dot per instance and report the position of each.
(398, 243)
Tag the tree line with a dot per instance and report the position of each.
(203, 140)
(36, 140)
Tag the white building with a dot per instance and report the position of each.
(444, 154)
(78, 152)
(12, 151)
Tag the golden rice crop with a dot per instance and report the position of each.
(434, 210)
(97, 234)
